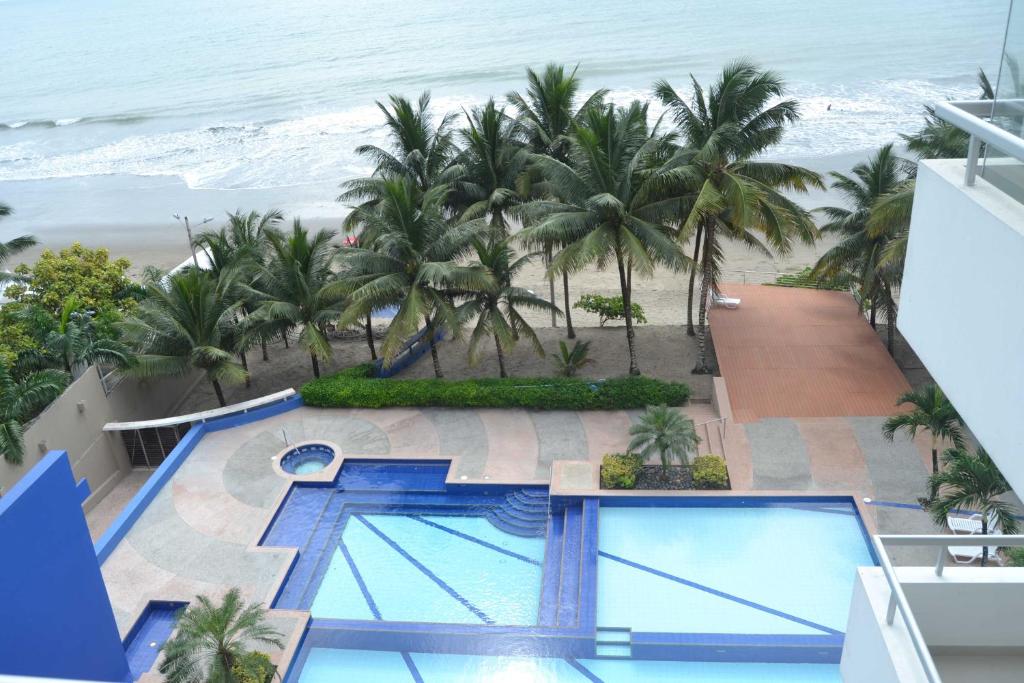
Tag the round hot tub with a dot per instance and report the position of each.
(307, 458)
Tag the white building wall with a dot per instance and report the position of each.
(962, 304)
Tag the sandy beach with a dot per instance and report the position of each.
(163, 244)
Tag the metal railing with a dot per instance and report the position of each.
(974, 118)
(898, 599)
(202, 416)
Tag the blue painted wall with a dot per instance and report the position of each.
(55, 616)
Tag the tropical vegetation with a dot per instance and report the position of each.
(971, 482)
(568, 362)
(930, 411)
(211, 642)
(22, 396)
(666, 433)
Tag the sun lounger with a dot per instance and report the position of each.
(719, 299)
(966, 554)
(959, 524)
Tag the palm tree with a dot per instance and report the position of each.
(933, 413)
(20, 400)
(733, 196)
(11, 248)
(604, 211)
(297, 288)
(860, 252)
(420, 151)
(187, 324)
(211, 640)
(570, 361)
(492, 161)
(971, 481)
(76, 342)
(547, 113)
(410, 262)
(497, 306)
(664, 432)
(241, 246)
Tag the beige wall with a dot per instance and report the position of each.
(74, 422)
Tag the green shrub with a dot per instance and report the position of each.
(253, 667)
(619, 470)
(356, 388)
(806, 280)
(710, 472)
(1015, 557)
(609, 308)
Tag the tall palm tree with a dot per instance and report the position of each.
(547, 112)
(932, 412)
(492, 160)
(860, 251)
(411, 262)
(604, 210)
(971, 481)
(20, 400)
(497, 306)
(420, 151)
(664, 432)
(211, 640)
(739, 118)
(12, 248)
(242, 246)
(296, 287)
(188, 323)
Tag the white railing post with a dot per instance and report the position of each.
(973, 151)
(940, 562)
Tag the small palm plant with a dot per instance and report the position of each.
(20, 399)
(11, 248)
(971, 481)
(570, 361)
(933, 413)
(664, 432)
(210, 643)
(75, 342)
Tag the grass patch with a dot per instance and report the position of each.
(355, 387)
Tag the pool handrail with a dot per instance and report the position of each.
(203, 415)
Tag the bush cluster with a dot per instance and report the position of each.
(253, 667)
(709, 472)
(357, 388)
(609, 308)
(619, 470)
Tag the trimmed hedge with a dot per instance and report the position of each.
(357, 388)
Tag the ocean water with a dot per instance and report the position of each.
(110, 106)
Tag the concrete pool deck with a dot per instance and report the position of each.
(199, 533)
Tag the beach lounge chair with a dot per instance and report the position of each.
(966, 554)
(971, 524)
(719, 299)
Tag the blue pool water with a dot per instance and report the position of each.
(408, 578)
(307, 459)
(153, 628)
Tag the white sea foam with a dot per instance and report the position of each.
(320, 147)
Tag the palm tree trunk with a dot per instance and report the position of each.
(627, 305)
(701, 368)
(693, 278)
(369, 337)
(984, 532)
(501, 357)
(284, 335)
(245, 366)
(433, 350)
(874, 311)
(263, 346)
(220, 393)
(551, 283)
(316, 365)
(890, 327)
(570, 332)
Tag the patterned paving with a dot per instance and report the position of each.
(788, 352)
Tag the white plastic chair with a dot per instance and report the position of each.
(971, 524)
(719, 299)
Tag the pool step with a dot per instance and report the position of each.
(613, 642)
(523, 512)
(571, 567)
(613, 651)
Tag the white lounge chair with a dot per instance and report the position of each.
(719, 299)
(966, 554)
(959, 524)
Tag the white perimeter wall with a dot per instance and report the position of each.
(962, 304)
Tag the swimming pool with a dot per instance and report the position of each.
(423, 580)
